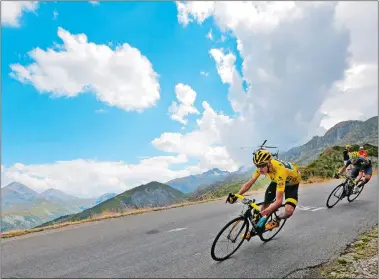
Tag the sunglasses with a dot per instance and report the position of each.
(261, 165)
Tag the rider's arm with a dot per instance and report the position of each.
(344, 168)
(245, 187)
(280, 180)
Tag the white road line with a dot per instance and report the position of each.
(309, 208)
(177, 229)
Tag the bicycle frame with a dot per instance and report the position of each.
(248, 214)
(348, 182)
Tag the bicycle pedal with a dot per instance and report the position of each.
(248, 236)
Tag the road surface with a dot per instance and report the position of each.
(176, 242)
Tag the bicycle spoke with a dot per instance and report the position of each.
(268, 234)
(229, 236)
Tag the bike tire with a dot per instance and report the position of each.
(283, 221)
(359, 192)
(246, 223)
(334, 190)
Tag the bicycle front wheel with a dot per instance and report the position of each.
(352, 196)
(266, 235)
(233, 234)
(337, 193)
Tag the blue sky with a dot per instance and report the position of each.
(39, 129)
(89, 91)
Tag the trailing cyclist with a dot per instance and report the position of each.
(360, 165)
(346, 158)
(285, 179)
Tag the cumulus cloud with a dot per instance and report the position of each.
(356, 96)
(123, 77)
(91, 178)
(293, 56)
(203, 143)
(11, 11)
(186, 97)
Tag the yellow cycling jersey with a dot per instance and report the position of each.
(283, 173)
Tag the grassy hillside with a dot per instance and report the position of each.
(331, 159)
(153, 194)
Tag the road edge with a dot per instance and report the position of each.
(18, 233)
(363, 251)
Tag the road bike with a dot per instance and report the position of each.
(249, 216)
(345, 189)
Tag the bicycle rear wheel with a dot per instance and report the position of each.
(264, 236)
(340, 190)
(349, 197)
(233, 238)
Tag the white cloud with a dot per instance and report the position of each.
(201, 11)
(55, 14)
(100, 111)
(204, 73)
(94, 3)
(360, 84)
(226, 69)
(186, 97)
(203, 143)
(11, 11)
(209, 35)
(123, 77)
(293, 55)
(89, 178)
(225, 64)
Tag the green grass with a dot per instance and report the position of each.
(331, 159)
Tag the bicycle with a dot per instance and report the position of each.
(347, 191)
(247, 217)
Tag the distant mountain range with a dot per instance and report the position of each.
(345, 132)
(23, 208)
(190, 183)
(153, 194)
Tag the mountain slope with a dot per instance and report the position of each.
(23, 208)
(153, 194)
(16, 193)
(190, 183)
(34, 215)
(104, 197)
(352, 132)
(57, 195)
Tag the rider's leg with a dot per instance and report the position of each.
(368, 172)
(348, 168)
(359, 176)
(291, 195)
(269, 195)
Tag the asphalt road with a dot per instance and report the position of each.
(176, 242)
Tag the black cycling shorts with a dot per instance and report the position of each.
(354, 172)
(366, 168)
(290, 193)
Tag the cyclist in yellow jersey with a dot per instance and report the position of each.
(285, 180)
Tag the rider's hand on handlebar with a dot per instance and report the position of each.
(231, 199)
